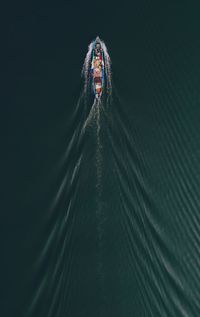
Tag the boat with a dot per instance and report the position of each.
(97, 68)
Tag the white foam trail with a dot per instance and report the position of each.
(107, 69)
(99, 186)
(86, 67)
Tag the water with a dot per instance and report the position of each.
(134, 251)
(100, 215)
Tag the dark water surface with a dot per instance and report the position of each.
(101, 218)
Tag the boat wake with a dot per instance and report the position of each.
(97, 97)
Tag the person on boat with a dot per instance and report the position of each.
(98, 49)
(97, 72)
(97, 62)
